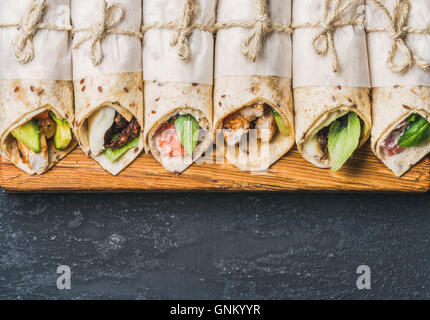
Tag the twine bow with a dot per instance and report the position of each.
(113, 15)
(323, 41)
(23, 42)
(253, 44)
(184, 29)
(399, 30)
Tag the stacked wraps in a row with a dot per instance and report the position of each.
(78, 71)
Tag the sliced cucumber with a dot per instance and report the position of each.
(282, 126)
(63, 133)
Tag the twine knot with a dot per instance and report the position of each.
(253, 43)
(323, 42)
(398, 24)
(27, 28)
(113, 15)
(184, 29)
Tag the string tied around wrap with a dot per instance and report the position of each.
(253, 44)
(27, 29)
(398, 30)
(323, 42)
(23, 43)
(113, 16)
(184, 29)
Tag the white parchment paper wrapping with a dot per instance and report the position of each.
(160, 60)
(276, 56)
(311, 69)
(52, 50)
(380, 44)
(122, 53)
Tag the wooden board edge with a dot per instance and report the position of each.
(200, 178)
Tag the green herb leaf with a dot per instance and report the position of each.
(416, 134)
(283, 128)
(114, 155)
(413, 118)
(188, 131)
(343, 141)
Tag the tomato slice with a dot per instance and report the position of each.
(168, 142)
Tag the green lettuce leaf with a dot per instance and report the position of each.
(343, 140)
(114, 155)
(188, 131)
(416, 134)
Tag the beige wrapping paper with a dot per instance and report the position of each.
(321, 95)
(116, 82)
(397, 96)
(175, 87)
(240, 83)
(27, 90)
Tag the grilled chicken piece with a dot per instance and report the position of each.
(266, 127)
(235, 127)
(39, 162)
(252, 112)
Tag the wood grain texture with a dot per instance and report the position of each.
(78, 173)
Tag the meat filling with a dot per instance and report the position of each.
(258, 116)
(121, 132)
(323, 142)
(390, 147)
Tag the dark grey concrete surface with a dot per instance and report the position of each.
(214, 246)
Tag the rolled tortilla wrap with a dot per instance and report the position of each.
(23, 100)
(401, 95)
(253, 111)
(331, 91)
(36, 94)
(403, 102)
(317, 107)
(233, 94)
(165, 101)
(178, 91)
(108, 81)
(121, 92)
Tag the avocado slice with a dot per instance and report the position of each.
(29, 134)
(63, 133)
(283, 129)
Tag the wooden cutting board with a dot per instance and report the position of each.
(78, 173)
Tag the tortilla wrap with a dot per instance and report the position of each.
(123, 92)
(315, 106)
(392, 106)
(21, 101)
(164, 100)
(233, 93)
